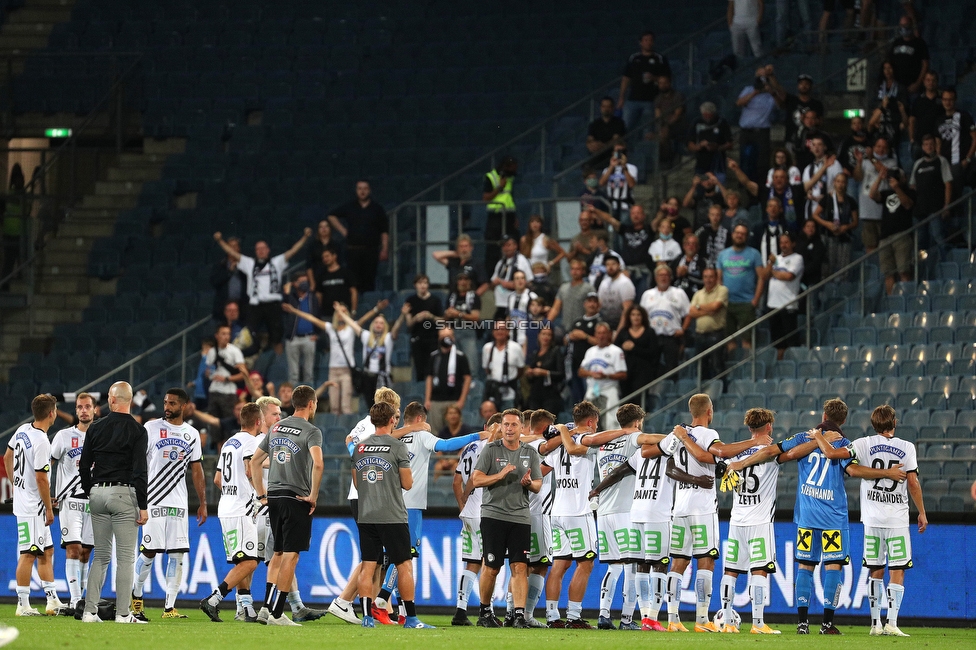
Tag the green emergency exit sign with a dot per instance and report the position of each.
(57, 133)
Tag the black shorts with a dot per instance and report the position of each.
(505, 539)
(354, 508)
(291, 524)
(395, 538)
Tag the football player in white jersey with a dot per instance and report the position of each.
(174, 447)
(421, 444)
(613, 517)
(342, 605)
(237, 512)
(28, 462)
(71, 501)
(751, 547)
(573, 528)
(694, 521)
(884, 513)
(469, 502)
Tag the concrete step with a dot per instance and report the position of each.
(90, 215)
(165, 147)
(146, 158)
(40, 15)
(150, 172)
(49, 316)
(57, 264)
(67, 246)
(21, 330)
(25, 28)
(79, 303)
(110, 202)
(36, 4)
(117, 188)
(89, 229)
(22, 41)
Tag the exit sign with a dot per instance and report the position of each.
(57, 133)
(853, 112)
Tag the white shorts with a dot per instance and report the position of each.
(650, 542)
(167, 531)
(76, 526)
(471, 547)
(265, 538)
(750, 547)
(540, 542)
(240, 538)
(613, 537)
(574, 537)
(887, 546)
(695, 536)
(33, 535)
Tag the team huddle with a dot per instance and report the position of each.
(525, 488)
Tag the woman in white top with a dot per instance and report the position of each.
(342, 341)
(783, 160)
(537, 245)
(377, 345)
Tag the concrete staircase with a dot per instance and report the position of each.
(62, 286)
(28, 28)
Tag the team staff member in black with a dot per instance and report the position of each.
(507, 470)
(360, 221)
(115, 477)
(294, 446)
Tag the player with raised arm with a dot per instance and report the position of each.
(421, 445)
(751, 547)
(694, 522)
(618, 544)
(469, 502)
(821, 506)
(544, 438)
(237, 512)
(28, 462)
(573, 528)
(884, 513)
(174, 447)
(71, 501)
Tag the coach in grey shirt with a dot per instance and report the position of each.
(507, 470)
(295, 448)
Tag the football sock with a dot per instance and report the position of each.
(486, 610)
(294, 599)
(608, 587)
(802, 588)
(674, 593)
(703, 594)
(239, 600)
(278, 609)
(410, 608)
(219, 594)
(143, 566)
(72, 571)
(895, 595)
(174, 576)
(727, 591)
(268, 592)
(367, 604)
(537, 585)
(644, 594)
(23, 596)
(465, 585)
(552, 610)
(659, 587)
(875, 589)
(574, 610)
(630, 593)
(84, 576)
(758, 588)
(246, 602)
(832, 587)
(389, 583)
(50, 591)
(509, 604)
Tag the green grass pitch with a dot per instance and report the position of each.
(199, 633)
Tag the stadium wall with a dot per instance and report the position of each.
(937, 586)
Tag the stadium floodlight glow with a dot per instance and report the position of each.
(853, 112)
(57, 133)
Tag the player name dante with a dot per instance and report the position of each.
(645, 495)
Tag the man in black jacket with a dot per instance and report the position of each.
(114, 475)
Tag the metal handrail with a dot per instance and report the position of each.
(806, 295)
(555, 116)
